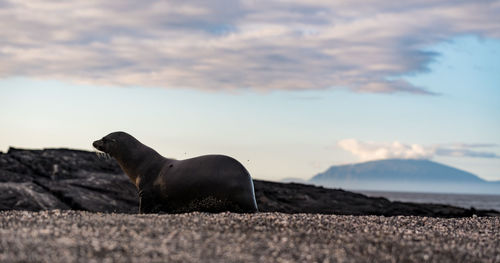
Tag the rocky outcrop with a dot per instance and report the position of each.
(64, 179)
(301, 198)
(27, 196)
(80, 180)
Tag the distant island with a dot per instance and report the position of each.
(404, 175)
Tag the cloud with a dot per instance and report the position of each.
(464, 152)
(375, 151)
(232, 45)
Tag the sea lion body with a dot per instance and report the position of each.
(212, 183)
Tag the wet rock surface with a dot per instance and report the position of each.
(70, 179)
(78, 236)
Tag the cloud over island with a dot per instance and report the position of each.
(230, 45)
(367, 151)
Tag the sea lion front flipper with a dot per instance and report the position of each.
(145, 203)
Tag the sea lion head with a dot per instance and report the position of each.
(116, 144)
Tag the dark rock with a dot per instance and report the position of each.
(57, 163)
(27, 196)
(80, 180)
(15, 177)
(301, 198)
(96, 192)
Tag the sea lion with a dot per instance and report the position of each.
(211, 183)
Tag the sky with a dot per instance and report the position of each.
(288, 88)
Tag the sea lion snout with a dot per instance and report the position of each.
(98, 145)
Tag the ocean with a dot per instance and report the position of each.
(477, 201)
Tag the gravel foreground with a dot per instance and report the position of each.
(75, 236)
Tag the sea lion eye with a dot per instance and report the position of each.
(108, 141)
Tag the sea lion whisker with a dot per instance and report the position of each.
(100, 155)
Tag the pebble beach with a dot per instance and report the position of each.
(77, 236)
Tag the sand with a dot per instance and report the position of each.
(74, 236)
